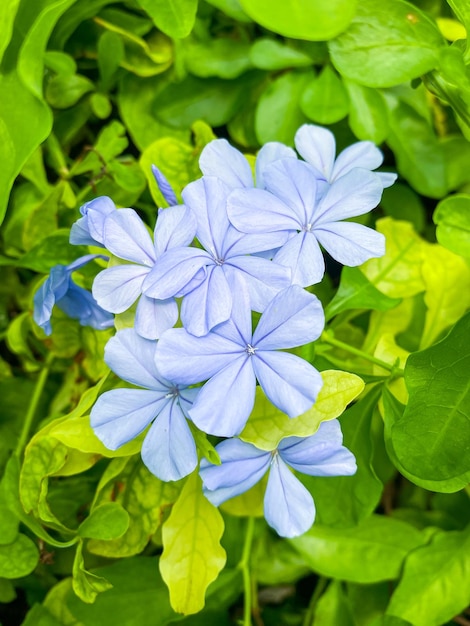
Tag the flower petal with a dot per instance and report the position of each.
(238, 327)
(258, 211)
(243, 465)
(169, 450)
(350, 243)
(153, 317)
(89, 230)
(175, 228)
(164, 186)
(120, 415)
(361, 154)
(294, 183)
(173, 272)
(270, 152)
(291, 383)
(293, 318)
(288, 506)
(219, 158)
(117, 288)
(322, 454)
(78, 303)
(225, 402)
(302, 254)
(127, 237)
(317, 146)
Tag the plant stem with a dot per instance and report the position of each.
(244, 565)
(33, 404)
(327, 338)
(319, 589)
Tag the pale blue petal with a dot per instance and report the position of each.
(207, 305)
(291, 383)
(132, 358)
(387, 178)
(322, 454)
(89, 230)
(83, 260)
(302, 255)
(356, 193)
(154, 317)
(185, 359)
(288, 506)
(165, 188)
(294, 183)
(121, 414)
(238, 327)
(80, 234)
(52, 289)
(169, 451)
(350, 243)
(219, 158)
(117, 288)
(317, 146)
(186, 398)
(242, 467)
(175, 228)
(361, 154)
(263, 278)
(225, 402)
(237, 243)
(258, 211)
(174, 271)
(127, 237)
(293, 318)
(78, 303)
(270, 152)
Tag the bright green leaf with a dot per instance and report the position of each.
(368, 117)
(86, 585)
(325, 99)
(107, 521)
(271, 54)
(19, 558)
(452, 217)
(8, 12)
(173, 17)
(8, 525)
(192, 555)
(222, 57)
(267, 425)
(65, 90)
(333, 608)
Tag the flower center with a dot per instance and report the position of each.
(173, 392)
(306, 228)
(250, 350)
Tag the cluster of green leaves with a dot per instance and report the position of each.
(95, 92)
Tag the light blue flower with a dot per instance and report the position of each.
(165, 188)
(89, 229)
(233, 358)
(119, 415)
(205, 277)
(78, 303)
(317, 146)
(288, 506)
(291, 205)
(119, 286)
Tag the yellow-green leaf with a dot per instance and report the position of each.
(85, 584)
(268, 425)
(398, 273)
(192, 555)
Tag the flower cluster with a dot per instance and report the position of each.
(239, 244)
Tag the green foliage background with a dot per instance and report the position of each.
(92, 93)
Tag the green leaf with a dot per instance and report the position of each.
(346, 500)
(86, 585)
(174, 17)
(368, 117)
(435, 585)
(325, 99)
(267, 425)
(333, 607)
(462, 11)
(270, 54)
(8, 12)
(314, 21)
(276, 562)
(432, 438)
(107, 521)
(452, 217)
(278, 114)
(18, 558)
(110, 55)
(7, 591)
(402, 203)
(59, 62)
(387, 44)
(192, 555)
(232, 8)
(222, 57)
(372, 551)
(356, 292)
(8, 525)
(39, 616)
(65, 90)
(53, 250)
(398, 273)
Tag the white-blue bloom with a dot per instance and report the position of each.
(89, 229)
(119, 415)
(232, 357)
(288, 506)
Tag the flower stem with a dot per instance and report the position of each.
(244, 565)
(319, 589)
(327, 338)
(33, 404)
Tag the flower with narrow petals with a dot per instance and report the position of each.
(291, 205)
(288, 506)
(89, 229)
(118, 287)
(119, 415)
(78, 303)
(232, 357)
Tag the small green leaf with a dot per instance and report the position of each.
(192, 555)
(7, 18)
(271, 54)
(53, 250)
(86, 585)
(368, 117)
(173, 17)
(333, 607)
(8, 525)
(107, 521)
(101, 105)
(222, 57)
(7, 591)
(325, 99)
(19, 558)
(110, 55)
(452, 217)
(65, 90)
(267, 425)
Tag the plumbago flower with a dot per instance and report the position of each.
(224, 259)
(118, 287)
(119, 415)
(288, 506)
(232, 357)
(89, 229)
(78, 303)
